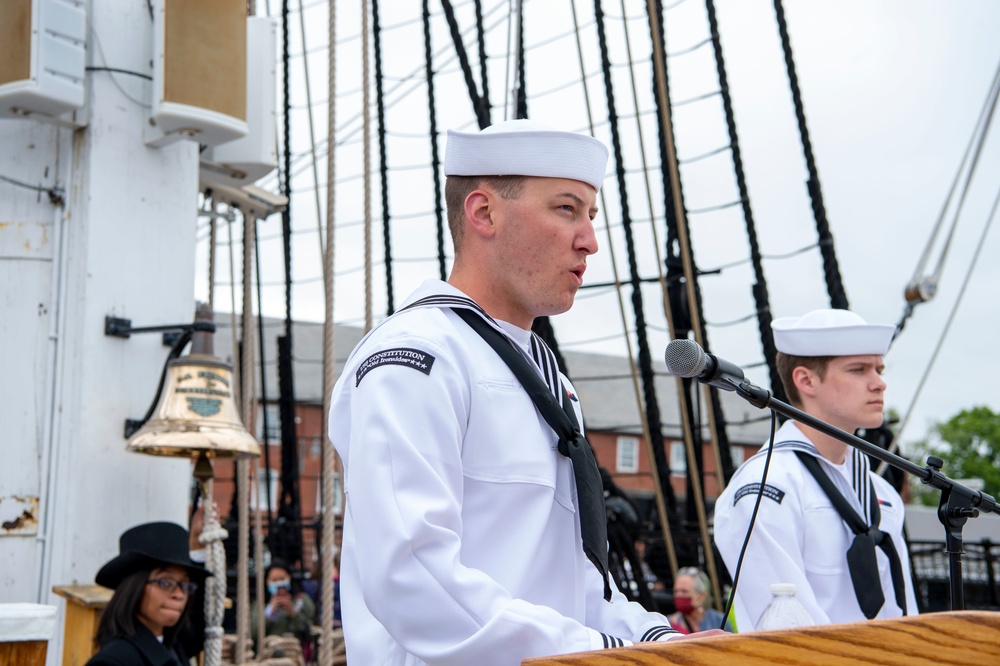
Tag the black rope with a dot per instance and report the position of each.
(263, 387)
(435, 157)
(522, 96)
(286, 541)
(479, 105)
(383, 157)
(760, 295)
(831, 269)
(644, 357)
(286, 213)
(483, 59)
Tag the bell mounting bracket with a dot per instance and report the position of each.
(176, 335)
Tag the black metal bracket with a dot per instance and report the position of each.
(120, 327)
(176, 336)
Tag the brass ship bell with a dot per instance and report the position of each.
(196, 416)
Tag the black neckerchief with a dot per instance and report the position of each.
(562, 419)
(861, 559)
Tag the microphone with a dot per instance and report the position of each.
(686, 358)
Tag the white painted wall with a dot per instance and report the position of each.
(123, 245)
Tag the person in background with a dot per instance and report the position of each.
(693, 602)
(312, 586)
(288, 611)
(830, 364)
(314, 589)
(154, 616)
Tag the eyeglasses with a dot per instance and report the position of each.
(168, 585)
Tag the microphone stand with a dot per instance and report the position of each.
(957, 500)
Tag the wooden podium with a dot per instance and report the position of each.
(84, 605)
(956, 637)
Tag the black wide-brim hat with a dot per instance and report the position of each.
(149, 546)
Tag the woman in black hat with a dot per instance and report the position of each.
(151, 617)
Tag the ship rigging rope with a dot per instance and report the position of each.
(645, 360)
(312, 133)
(383, 168)
(921, 287)
(483, 60)
(242, 466)
(212, 534)
(286, 189)
(258, 541)
(329, 454)
(645, 165)
(212, 247)
(653, 418)
(660, 263)
(682, 258)
(662, 509)
(508, 56)
(266, 429)
(367, 152)
(951, 317)
(237, 396)
(831, 269)
(479, 105)
(435, 157)
(761, 298)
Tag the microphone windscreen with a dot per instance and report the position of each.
(685, 358)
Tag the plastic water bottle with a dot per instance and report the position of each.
(784, 611)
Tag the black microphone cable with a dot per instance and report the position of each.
(753, 519)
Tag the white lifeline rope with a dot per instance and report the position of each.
(329, 359)
(212, 536)
(258, 554)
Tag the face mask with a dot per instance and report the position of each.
(272, 588)
(683, 605)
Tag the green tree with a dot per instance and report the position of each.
(969, 445)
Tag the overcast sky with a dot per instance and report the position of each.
(891, 89)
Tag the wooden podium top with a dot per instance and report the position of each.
(956, 637)
(90, 596)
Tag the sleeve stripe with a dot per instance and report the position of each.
(656, 633)
(612, 641)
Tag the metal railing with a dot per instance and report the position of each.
(980, 562)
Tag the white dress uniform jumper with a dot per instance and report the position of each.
(462, 543)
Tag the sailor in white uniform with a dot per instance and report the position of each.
(462, 537)
(830, 363)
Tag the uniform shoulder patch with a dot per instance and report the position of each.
(770, 492)
(405, 356)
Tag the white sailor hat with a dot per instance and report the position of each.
(830, 333)
(526, 148)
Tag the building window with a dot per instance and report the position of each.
(258, 499)
(273, 412)
(627, 459)
(678, 458)
(738, 454)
